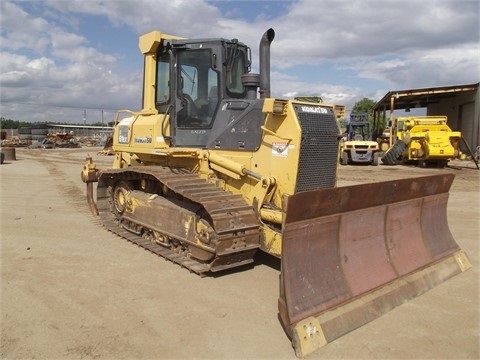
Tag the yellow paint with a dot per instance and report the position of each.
(308, 336)
(428, 137)
(462, 261)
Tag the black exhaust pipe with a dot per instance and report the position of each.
(265, 42)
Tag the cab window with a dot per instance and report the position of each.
(163, 80)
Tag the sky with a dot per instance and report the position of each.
(77, 61)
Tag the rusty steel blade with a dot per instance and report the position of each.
(340, 244)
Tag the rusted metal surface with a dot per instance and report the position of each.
(90, 200)
(233, 221)
(352, 240)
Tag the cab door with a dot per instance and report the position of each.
(196, 98)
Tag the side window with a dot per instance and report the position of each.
(213, 95)
(163, 80)
(234, 73)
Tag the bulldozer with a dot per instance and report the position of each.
(213, 169)
(424, 140)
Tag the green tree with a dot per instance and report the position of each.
(364, 106)
(11, 124)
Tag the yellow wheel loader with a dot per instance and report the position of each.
(213, 169)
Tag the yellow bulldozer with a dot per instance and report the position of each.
(213, 169)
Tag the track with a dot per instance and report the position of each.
(234, 221)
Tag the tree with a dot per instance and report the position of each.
(11, 124)
(364, 106)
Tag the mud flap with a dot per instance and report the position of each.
(351, 254)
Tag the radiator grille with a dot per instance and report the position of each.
(317, 166)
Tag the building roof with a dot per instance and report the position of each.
(420, 98)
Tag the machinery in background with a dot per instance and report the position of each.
(425, 140)
(358, 146)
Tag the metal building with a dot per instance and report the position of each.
(460, 103)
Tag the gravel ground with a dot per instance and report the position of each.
(72, 290)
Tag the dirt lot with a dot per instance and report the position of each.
(72, 290)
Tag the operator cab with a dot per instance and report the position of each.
(193, 81)
(358, 128)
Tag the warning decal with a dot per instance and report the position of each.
(280, 149)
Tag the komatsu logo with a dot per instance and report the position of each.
(143, 140)
(314, 109)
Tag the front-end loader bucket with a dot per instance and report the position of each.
(350, 254)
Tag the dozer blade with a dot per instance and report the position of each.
(350, 254)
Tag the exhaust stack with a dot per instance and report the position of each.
(265, 42)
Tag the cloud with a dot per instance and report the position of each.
(44, 64)
(191, 16)
(343, 29)
(83, 54)
(448, 66)
(20, 30)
